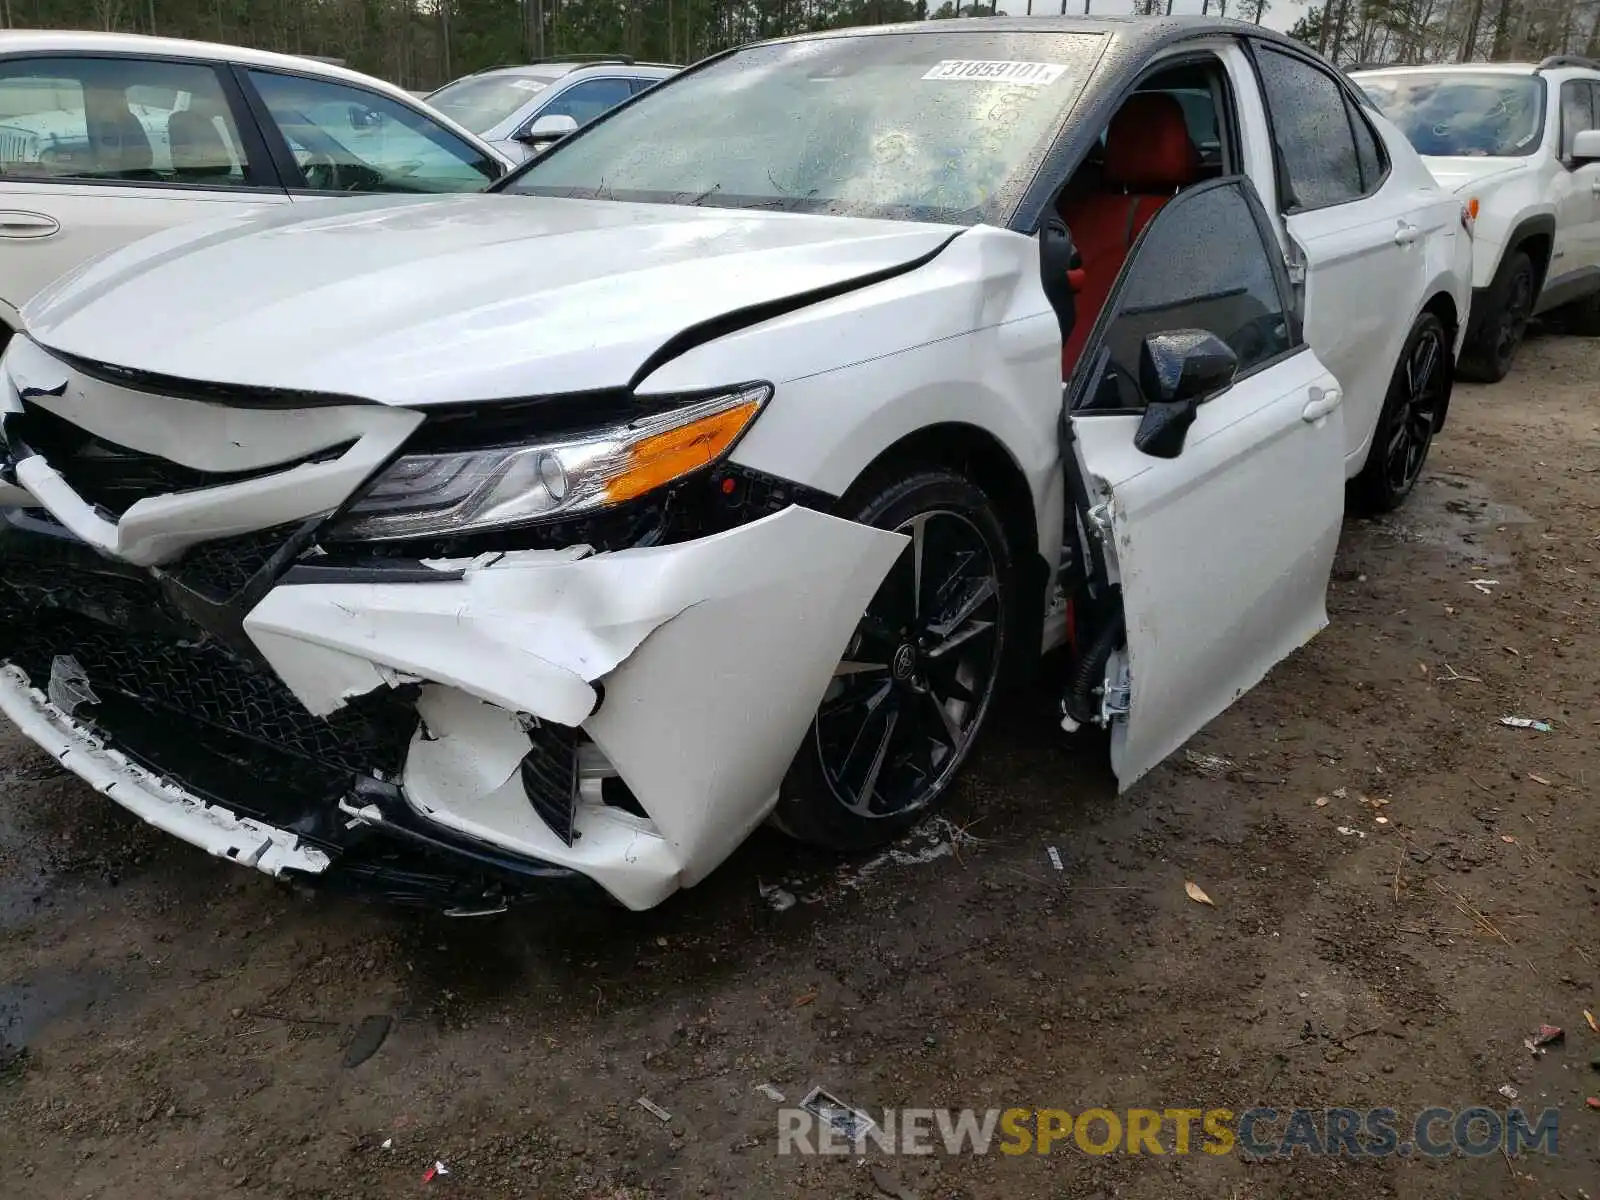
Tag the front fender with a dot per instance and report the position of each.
(968, 339)
(1500, 227)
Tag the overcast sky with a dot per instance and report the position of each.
(1280, 15)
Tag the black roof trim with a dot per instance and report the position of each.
(1567, 60)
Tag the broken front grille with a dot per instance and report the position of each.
(220, 570)
(218, 725)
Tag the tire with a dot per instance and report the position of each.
(898, 726)
(1418, 393)
(1498, 334)
(1582, 317)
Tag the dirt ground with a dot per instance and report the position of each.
(177, 1026)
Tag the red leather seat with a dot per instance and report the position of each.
(1149, 158)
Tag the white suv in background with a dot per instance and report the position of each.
(105, 138)
(1521, 144)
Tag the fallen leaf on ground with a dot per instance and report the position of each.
(1593, 1102)
(1589, 1017)
(1196, 894)
(1539, 779)
(1506, 837)
(1322, 802)
(804, 998)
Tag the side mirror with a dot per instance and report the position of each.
(546, 129)
(1178, 372)
(1060, 268)
(1586, 147)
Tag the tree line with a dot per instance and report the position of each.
(422, 43)
(1429, 31)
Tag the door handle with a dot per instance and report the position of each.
(1594, 185)
(1322, 402)
(1405, 235)
(27, 225)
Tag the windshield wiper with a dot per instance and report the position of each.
(715, 187)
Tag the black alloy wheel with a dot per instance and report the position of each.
(907, 700)
(1411, 413)
(1508, 305)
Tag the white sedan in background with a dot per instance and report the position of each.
(722, 464)
(107, 137)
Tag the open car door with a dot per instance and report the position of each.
(1211, 443)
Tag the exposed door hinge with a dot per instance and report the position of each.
(1117, 697)
(1296, 268)
(1100, 521)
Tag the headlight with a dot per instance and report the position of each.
(427, 495)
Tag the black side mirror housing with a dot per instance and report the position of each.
(1057, 257)
(1178, 372)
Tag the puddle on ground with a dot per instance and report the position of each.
(1455, 514)
(25, 877)
(29, 1006)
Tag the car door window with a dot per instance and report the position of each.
(1577, 112)
(1312, 131)
(642, 84)
(1374, 163)
(347, 139)
(1202, 263)
(585, 101)
(118, 120)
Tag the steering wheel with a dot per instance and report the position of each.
(322, 173)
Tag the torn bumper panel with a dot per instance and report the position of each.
(688, 673)
(455, 733)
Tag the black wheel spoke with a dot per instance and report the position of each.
(880, 754)
(919, 538)
(945, 725)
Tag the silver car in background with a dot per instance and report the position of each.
(521, 110)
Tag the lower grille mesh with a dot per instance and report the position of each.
(550, 777)
(217, 725)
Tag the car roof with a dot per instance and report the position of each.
(1136, 33)
(1475, 68)
(559, 70)
(57, 41)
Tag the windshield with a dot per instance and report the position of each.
(480, 102)
(916, 126)
(1459, 114)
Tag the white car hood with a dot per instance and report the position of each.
(470, 297)
(1458, 173)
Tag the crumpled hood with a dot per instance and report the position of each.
(1459, 174)
(433, 300)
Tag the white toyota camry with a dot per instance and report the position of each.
(722, 465)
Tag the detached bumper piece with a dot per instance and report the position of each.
(204, 742)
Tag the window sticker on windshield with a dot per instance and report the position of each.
(528, 85)
(1032, 74)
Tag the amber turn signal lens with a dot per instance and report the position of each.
(673, 453)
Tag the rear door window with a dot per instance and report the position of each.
(587, 99)
(119, 120)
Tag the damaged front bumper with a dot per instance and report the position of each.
(451, 732)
